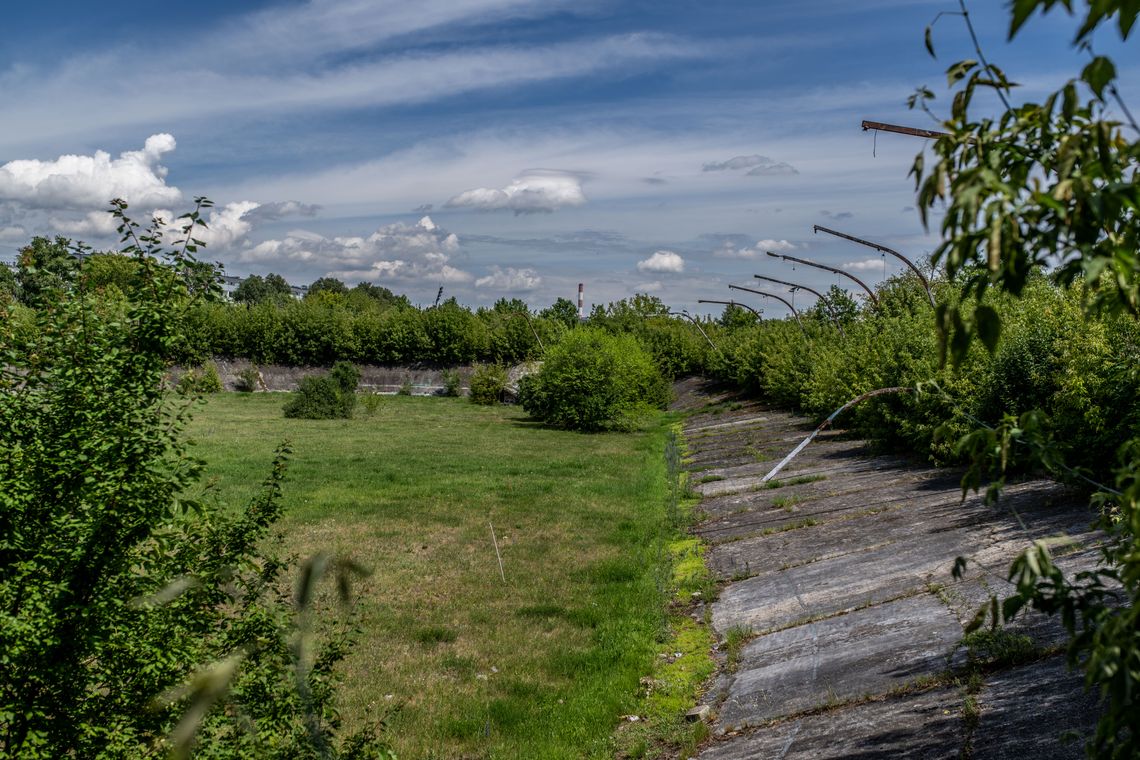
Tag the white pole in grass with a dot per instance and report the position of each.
(497, 555)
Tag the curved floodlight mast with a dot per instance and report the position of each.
(805, 262)
(882, 249)
(758, 312)
(781, 299)
(697, 324)
(816, 293)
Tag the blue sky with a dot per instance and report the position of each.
(496, 147)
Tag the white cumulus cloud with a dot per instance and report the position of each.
(225, 226)
(510, 279)
(85, 182)
(662, 261)
(864, 265)
(398, 251)
(532, 192)
(97, 223)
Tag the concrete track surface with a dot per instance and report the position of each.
(840, 580)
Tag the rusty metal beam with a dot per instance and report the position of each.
(882, 249)
(822, 300)
(805, 262)
(778, 298)
(757, 312)
(879, 126)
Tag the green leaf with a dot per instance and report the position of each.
(929, 41)
(1020, 11)
(959, 70)
(1098, 74)
(988, 326)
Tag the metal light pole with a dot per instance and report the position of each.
(805, 262)
(795, 286)
(757, 312)
(882, 249)
(778, 298)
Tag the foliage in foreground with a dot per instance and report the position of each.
(592, 380)
(1052, 186)
(135, 617)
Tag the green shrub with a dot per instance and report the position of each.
(326, 397)
(452, 383)
(346, 375)
(248, 380)
(487, 384)
(405, 388)
(204, 379)
(594, 381)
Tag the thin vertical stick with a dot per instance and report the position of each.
(497, 555)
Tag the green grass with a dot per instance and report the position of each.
(459, 662)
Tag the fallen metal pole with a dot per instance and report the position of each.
(823, 426)
(757, 312)
(530, 322)
(883, 249)
(879, 126)
(784, 301)
(822, 300)
(805, 262)
(697, 324)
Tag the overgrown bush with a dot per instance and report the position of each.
(593, 380)
(204, 379)
(488, 382)
(326, 397)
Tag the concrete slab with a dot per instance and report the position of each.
(866, 652)
(1039, 710)
(847, 579)
(921, 726)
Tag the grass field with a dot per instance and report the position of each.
(461, 663)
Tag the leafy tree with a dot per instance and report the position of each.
(562, 310)
(1051, 186)
(836, 303)
(135, 615)
(45, 269)
(511, 306)
(99, 271)
(9, 288)
(380, 295)
(327, 285)
(734, 317)
(256, 289)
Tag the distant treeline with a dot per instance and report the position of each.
(1082, 372)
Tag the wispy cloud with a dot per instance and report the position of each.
(40, 104)
(757, 165)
